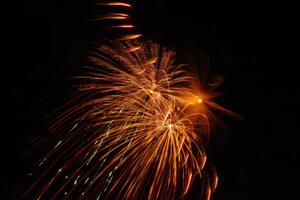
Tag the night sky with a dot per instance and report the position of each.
(251, 44)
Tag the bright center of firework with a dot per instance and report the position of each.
(199, 100)
(151, 90)
(170, 126)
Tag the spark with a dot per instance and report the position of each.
(130, 37)
(188, 183)
(133, 49)
(122, 26)
(114, 4)
(112, 16)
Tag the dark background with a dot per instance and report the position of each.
(253, 45)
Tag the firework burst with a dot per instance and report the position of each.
(137, 130)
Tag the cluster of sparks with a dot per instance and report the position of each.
(138, 128)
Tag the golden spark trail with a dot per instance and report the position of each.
(114, 4)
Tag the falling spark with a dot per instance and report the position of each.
(112, 16)
(114, 4)
(130, 37)
(122, 26)
(133, 49)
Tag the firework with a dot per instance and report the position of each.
(137, 130)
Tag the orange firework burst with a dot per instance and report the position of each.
(137, 130)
